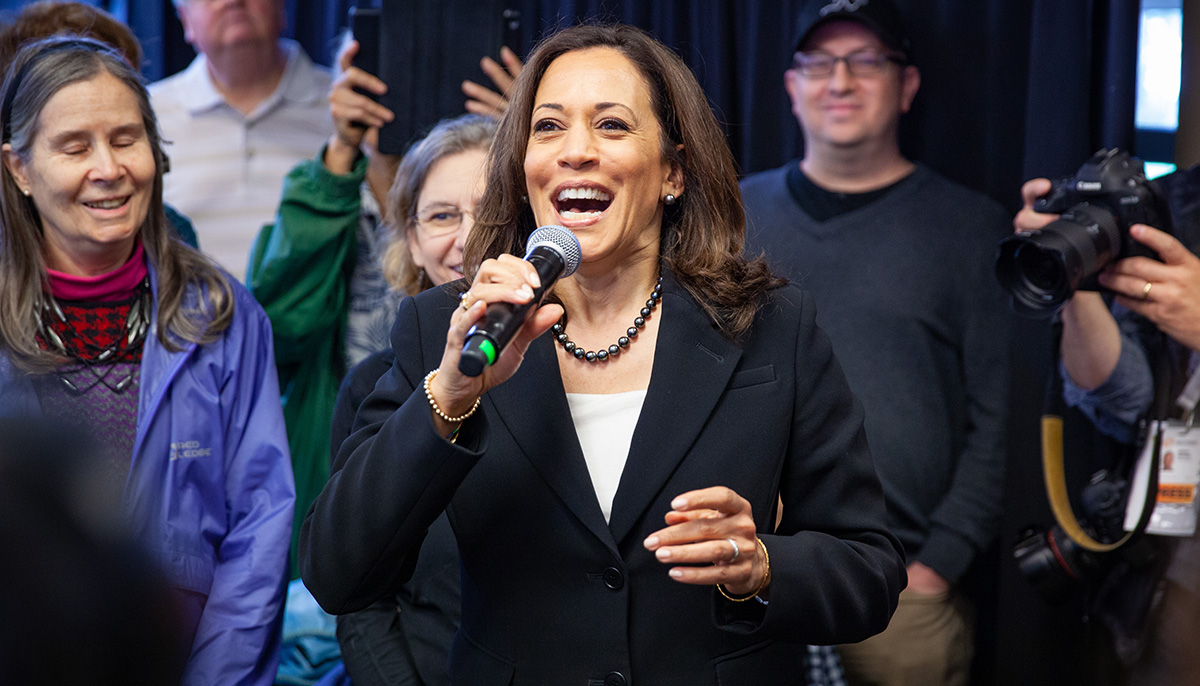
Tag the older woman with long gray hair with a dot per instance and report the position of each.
(109, 322)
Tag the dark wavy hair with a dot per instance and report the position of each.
(38, 72)
(703, 234)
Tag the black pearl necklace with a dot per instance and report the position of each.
(639, 322)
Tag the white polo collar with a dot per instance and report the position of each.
(299, 83)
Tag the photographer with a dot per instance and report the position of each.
(1107, 374)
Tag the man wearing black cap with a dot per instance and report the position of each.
(898, 259)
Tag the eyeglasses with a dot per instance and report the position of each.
(816, 65)
(441, 220)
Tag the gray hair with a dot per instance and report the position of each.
(38, 72)
(447, 137)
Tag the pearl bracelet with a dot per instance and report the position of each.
(438, 411)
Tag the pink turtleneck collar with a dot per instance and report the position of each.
(119, 284)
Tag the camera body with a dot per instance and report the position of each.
(1054, 563)
(1115, 181)
(1109, 194)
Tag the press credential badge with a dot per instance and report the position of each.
(1178, 474)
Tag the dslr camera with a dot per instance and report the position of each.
(1054, 563)
(1110, 193)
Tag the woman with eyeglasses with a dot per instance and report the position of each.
(110, 322)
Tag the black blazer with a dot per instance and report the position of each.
(405, 638)
(552, 594)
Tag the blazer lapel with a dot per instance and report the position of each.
(532, 405)
(692, 365)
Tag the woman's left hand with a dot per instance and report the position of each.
(488, 102)
(714, 529)
(1168, 292)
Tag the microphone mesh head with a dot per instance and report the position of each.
(561, 240)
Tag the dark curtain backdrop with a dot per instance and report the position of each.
(1011, 89)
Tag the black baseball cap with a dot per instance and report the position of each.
(880, 16)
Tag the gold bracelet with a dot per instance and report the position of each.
(438, 411)
(761, 585)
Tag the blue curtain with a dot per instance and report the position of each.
(315, 24)
(1011, 88)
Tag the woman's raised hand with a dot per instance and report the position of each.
(505, 279)
(711, 539)
(354, 113)
(488, 102)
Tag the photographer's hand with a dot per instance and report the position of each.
(1027, 219)
(1168, 292)
(1091, 341)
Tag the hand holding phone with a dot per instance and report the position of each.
(354, 97)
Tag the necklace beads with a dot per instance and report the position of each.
(601, 355)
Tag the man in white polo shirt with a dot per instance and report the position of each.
(243, 113)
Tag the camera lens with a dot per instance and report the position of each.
(1043, 558)
(1038, 267)
(1041, 269)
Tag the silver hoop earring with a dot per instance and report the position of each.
(669, 199)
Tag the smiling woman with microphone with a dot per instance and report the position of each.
(662, 478)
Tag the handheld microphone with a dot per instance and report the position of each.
(554, 252)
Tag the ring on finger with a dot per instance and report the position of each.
(736, 551)
(1146, 291)
(465, 301)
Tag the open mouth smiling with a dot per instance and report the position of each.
(582, 202)
(109, 204)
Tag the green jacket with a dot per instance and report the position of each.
(299, 271)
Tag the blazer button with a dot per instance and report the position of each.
(614, 579)
(615, 679)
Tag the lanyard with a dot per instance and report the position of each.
(1190, 396)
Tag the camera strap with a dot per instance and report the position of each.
(1190, 396)
(1054, 473)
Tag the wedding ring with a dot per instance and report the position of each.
(1146, 291)
(736, 550)
(465, 302)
